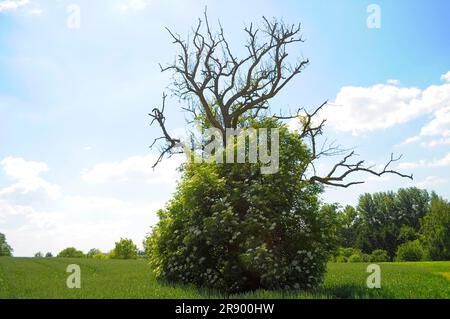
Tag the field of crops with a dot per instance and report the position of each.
(46, 278)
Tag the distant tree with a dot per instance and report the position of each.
(38, 255)
(125, 249)
(387, 219)
(5, 249)
(435, 231)
(349, 224)
(71, 252)
(91, 253)
(48, 255)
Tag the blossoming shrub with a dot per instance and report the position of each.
(231, 228)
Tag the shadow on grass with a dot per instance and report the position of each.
(345, 291)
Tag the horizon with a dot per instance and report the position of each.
(77, 84)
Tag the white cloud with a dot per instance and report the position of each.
(132, 5)
(6, 5)
(442, 162)
(83, 222)
(136, 168)
(446, 77)
(28, 180)
(93, 203)
(366, 109)
(438, 130)
(393, 82)
(431, 181)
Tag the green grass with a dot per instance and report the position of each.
(46, 278)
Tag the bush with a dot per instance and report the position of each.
(410, 251)
(379, 255)
(231, 228)
(356, 258)
(91, 253)
(70, 252)
(100, 256)
(341, 259)
(125, 249)
(349, 254)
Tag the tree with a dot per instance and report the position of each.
(125, 249)
(91, 253)
(435, 231)
(38, 255)
(388, 219)
(224, 91)
(5, 249)
(71, 252)
(209, 219)
(48, 255)
(349, 223)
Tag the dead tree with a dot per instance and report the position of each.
(222, 90)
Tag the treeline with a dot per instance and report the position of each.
(408, 225)
(124, 249)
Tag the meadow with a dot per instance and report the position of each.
(46, 278)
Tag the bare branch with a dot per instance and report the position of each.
(172, 144)
(334, 179)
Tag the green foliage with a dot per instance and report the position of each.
(349, 254)
(407, 233)
(125, 249)
(5, 249)
(379, 255)
(410, 251)
(38, 255)
(341, 259)
(100, 256)
(384, 214)
(48, 255)
(232, 228)
(383, 220)
(349, 224)
(356, 258)
(71, 252)
(435, 232)
(91, 253)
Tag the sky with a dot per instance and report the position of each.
(78, 78)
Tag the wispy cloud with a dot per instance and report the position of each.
(7, 5)
(135, 168)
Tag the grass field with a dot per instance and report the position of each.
(46, 278)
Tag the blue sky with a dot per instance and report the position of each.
(74, 131)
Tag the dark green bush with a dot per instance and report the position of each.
(379, 255)
(356, 258)
(229, 227)
(410, 251)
